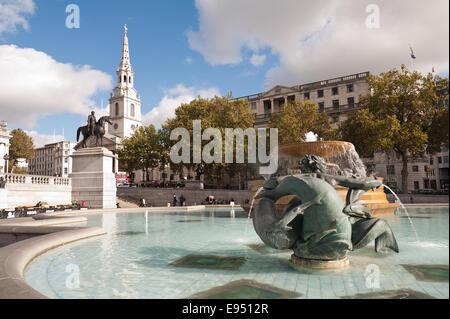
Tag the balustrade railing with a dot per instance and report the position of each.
(34, 179)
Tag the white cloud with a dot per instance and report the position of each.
(40, 139)
(172, 99)
(257, 60)
(33, 84)
(315, 40)
(189, 60)
(13, 13)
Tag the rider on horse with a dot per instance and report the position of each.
(91, 123)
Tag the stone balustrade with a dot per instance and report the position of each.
(34, 179)
(27, 190)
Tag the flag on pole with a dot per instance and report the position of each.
(432, 70)
(412, 53)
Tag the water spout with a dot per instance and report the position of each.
(406, 211)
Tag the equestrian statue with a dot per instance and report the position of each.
(93, 128)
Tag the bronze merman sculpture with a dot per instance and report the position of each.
(317, 225)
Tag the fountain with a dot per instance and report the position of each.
(341, 158)
(317, 225)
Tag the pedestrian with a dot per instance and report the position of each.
(174, 200)
(142, 202)
(182, 200)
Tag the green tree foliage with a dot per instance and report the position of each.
(218, 112)
(298, 118)
(21, 146)
(399, 115)
(439, 129)
(142, 150)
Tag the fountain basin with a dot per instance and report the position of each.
(218, 255)
(325, 149)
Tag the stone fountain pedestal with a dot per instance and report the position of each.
(93, 177)
(298, 263)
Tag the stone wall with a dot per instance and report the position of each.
(419, 199)
(160, 196)
(27, 190)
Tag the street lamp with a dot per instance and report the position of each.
(6, 158)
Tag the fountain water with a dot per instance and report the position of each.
(253, 201)
(406, 211)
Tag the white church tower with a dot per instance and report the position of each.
(125, 103)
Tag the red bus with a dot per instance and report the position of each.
(122, 179)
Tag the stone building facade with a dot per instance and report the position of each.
(52, 160)
(4, 146)
(336, 96)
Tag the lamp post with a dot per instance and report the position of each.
(6, 158)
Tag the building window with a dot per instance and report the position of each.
(130, 79)
(445, 159)
(416, 185)
(335, 91)
(431, 161)
(321, 106)
(336, 104)
(132, 110)
(125, 78)
(65, 170)
(390, 169)
(65, 160)
(439, 159)
(351, 102)
(306, 96)
(117, 109)
(320, 93)
(349, 88)
(415, 168)
(253, 105)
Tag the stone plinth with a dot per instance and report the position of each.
(93, 177)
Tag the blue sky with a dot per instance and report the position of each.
(183, 48)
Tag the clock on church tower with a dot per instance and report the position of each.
(125, 103)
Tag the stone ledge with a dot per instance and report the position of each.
(14, 258)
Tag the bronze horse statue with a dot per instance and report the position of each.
(99, 131)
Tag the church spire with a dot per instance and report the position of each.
(125, 75)
(125, 62)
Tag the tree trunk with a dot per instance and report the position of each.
(405, 173)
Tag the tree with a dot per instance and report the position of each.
(298, 118)
(218, 112)
(20, 146)
(141, 150)
(399, 115)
